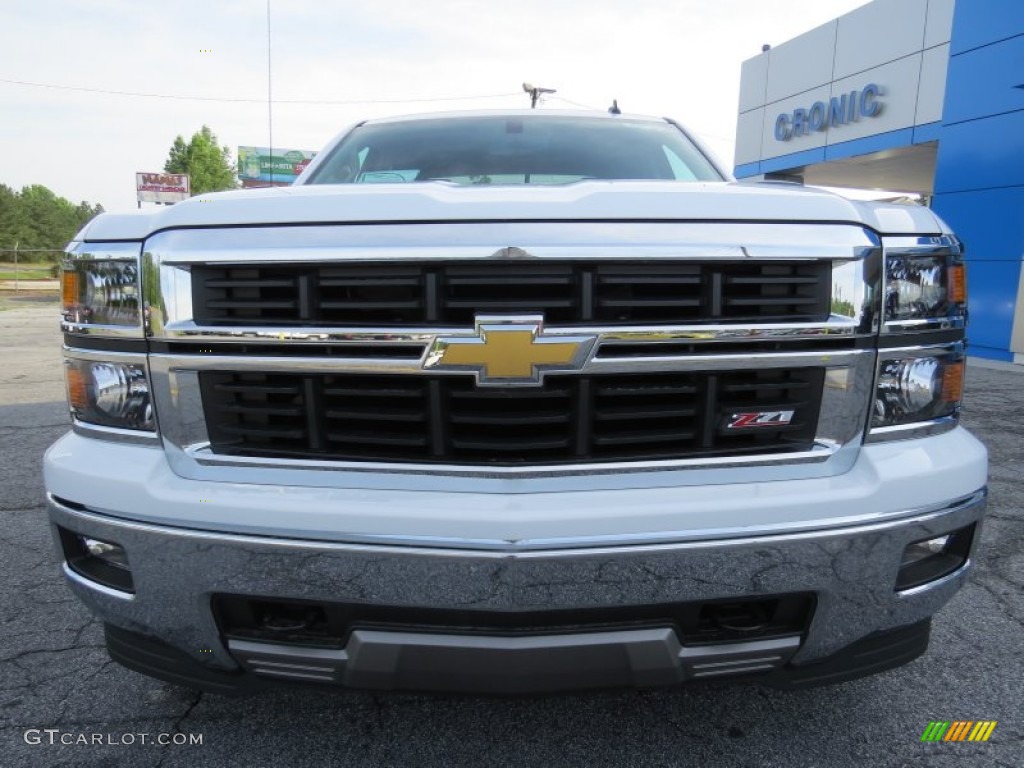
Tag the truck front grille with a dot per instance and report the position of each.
(566, 293)
(447, 419)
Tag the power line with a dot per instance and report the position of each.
(576, 103)
(238, 100)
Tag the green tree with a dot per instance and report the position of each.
(209, 165)
(35, 218)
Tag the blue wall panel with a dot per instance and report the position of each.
(992, 294)
(990, 222)
(981, 153)
(989, 76)
(979, 176)
(980, 22)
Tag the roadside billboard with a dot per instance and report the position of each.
(258, 167)
(161, 187)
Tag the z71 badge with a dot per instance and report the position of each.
(759, 419)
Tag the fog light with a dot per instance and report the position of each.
(104, 550)
(930, 559)
(103, 562)
(919, 550)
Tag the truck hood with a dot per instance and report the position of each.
(583, 201)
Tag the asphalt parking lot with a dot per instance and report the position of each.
(55, 673)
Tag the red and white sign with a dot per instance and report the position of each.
(161, 187)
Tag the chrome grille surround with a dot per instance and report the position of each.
(182, 348)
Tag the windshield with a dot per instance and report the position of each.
(530, 149)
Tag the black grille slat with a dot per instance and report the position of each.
(483, 280)
(376, 438)
(763, 280)
(382, 304)
(369, 282)
(261, 389)
(497, 394)
(381, 393)
(269, 410)
(633, 438)
(275, 432)
(505, 419)
(507, 445)
(761, 387)
(251, 304)
(649, 279)
(449, 419)
(772, 292)
(761, 301)
(649, 303)
(242, 282)
(377, 415)
(425, 294)
(627, 391)
(508, 305)
(624, 414)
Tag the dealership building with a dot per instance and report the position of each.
(922, 96)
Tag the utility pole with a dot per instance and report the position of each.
(535, 93)
(270, 102)
(17, 282)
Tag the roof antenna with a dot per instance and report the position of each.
(535, 93)
(614, 108)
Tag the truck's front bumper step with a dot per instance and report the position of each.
(492, 664)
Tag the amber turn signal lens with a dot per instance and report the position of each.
(78, 394)
(69, 288)
(952, 382)
(958, 283)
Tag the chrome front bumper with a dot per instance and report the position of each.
(851, 572)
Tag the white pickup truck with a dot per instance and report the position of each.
(515, 402)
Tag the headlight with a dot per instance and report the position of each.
(917, 393)
(109, 394)
(925, 287)
(100, 290)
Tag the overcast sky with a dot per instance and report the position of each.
(679, 58)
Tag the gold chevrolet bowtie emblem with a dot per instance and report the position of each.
(509, 351)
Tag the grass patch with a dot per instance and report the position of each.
(24, 271)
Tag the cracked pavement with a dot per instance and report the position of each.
(55, 674)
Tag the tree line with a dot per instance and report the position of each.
(35, 218)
